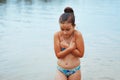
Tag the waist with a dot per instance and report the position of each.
(75, 68)
(67, 64)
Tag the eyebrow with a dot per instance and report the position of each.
(65, 28)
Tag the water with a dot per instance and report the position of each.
(26, 38)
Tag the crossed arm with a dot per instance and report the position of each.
(75, 48)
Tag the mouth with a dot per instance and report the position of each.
(66, 36)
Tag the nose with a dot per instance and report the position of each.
(64, 32)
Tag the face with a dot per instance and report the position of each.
(66, 29)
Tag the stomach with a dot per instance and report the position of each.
(69, 62)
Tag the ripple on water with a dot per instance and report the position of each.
(106, 78)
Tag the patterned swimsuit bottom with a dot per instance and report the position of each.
(68, 72)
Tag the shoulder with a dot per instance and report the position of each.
(57, 34)
(77, 33)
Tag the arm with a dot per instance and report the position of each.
(79, 51)
(57, 48)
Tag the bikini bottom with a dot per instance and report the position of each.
(68, 72)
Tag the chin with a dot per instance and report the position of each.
(66, 36)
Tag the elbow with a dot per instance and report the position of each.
(81, 54)
(58, 56)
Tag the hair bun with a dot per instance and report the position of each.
(68, 10)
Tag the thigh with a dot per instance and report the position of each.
(75, 76)
(60, 76)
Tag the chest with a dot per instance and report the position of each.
(67, 40)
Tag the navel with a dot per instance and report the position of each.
(66, 63)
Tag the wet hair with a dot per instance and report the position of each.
(67, 16)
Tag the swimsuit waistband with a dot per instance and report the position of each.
(76, 68)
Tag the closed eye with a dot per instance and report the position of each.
(62, 29)
(67, 29)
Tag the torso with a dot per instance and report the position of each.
(70, 61)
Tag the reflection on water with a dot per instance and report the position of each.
(26, 38)
(27, 1)
(3, 1)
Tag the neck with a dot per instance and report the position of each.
(69, 36)
(69, 39)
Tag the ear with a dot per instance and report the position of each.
(74, 25)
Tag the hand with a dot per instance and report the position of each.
(72, 45)
(64, 44)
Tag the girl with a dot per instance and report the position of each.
(69, 47)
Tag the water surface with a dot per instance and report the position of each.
(26, 38)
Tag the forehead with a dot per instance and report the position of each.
(65, 25)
